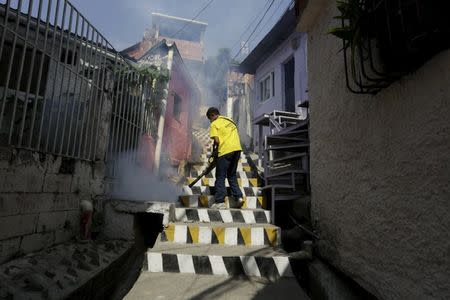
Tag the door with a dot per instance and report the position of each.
(289, 88)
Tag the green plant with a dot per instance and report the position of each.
(352, 16)
(352, 31)
(147, 75)
(152, 72)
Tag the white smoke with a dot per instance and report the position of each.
(138, 183)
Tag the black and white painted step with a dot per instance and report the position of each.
(277, 266)
(215, 260)
(256, 216)
(210, 190)
(197, 200)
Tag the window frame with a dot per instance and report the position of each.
(267, 92)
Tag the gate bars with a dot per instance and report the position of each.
(54, 71)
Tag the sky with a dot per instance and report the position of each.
(123, 22)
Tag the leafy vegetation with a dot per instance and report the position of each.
(352, 16)
(353, 30)
(152, 72)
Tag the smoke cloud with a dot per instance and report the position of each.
(138, 183)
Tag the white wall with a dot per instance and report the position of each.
(380, 170)
(275, 64)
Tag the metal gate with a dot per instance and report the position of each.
(56, 71)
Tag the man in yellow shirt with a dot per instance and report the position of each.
(228, 148)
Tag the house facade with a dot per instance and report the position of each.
(189, 41)
(177, 110)
(278, 64)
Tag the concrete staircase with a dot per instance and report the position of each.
(202, 241)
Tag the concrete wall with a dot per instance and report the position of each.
(40, 193)
(39, 200)
(380, 172)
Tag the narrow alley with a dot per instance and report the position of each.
(257, 149)
(239, 247)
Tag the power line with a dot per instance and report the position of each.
(270, 18)
(195, 17)
(265, 13)
(250, 24)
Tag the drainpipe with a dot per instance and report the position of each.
(162, 116)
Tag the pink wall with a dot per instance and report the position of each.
(177, 136)
(177, 139)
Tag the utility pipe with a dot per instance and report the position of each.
(162, 116)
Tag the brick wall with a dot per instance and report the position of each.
(40, 194)
(39, 199)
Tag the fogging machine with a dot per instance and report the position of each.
(212, 160)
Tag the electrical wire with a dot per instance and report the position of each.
(250, 24)
(195, 17)
(269, 19)
(251, 34)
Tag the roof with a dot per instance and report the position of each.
(137, 50)
(161, 44)
(189, 50)
(278, 34)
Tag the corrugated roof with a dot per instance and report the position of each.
(278, 34)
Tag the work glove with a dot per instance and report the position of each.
(215, 152)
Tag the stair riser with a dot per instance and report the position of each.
(242, 182)
(243, 164)
(209, 190)
(208, 201)
(223, 216)
(267, 267)
(242, 167)
(232, 236)
(206, 153)
(199, 169)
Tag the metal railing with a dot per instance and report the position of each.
(56, 74)
(135, 113)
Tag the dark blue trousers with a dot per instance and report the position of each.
(226, 168)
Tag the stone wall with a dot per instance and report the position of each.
(380, 172)
(40, 196)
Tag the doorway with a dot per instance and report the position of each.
(289, 85)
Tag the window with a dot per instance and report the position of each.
(176, 107)
(27, 71)
(267, 87)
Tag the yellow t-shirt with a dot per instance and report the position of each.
(228, 135)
